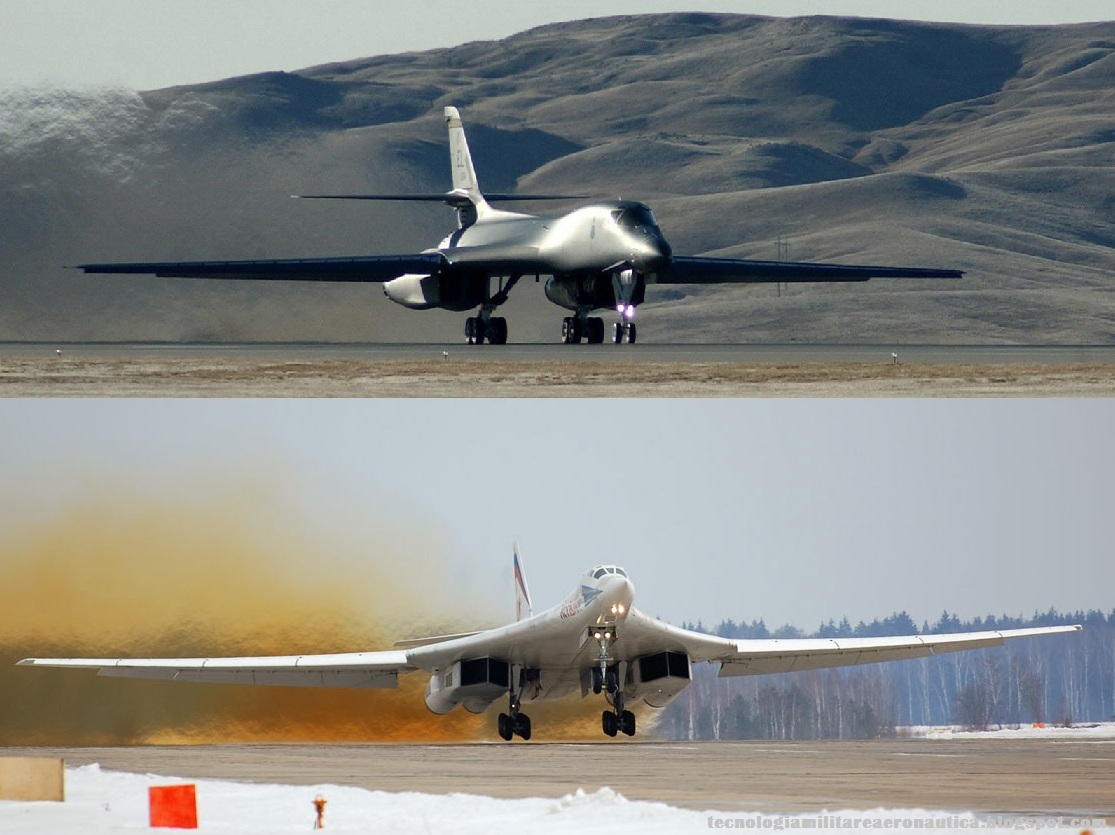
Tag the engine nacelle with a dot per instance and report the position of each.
(658, 678)
(418, 292)
(574, 292)
(474, 683)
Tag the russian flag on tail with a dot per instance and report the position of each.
(522, 596)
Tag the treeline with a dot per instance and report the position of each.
(1061, 679)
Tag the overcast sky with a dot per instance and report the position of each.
(790, 511)
(147, 44)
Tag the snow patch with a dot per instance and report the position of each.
(101, 802)
(1091, 730)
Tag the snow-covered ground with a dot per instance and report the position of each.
(108, 802)
(1091, 730)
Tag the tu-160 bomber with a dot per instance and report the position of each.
(598, 257)
(594, 641)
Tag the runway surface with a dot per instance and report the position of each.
(291, 370)
(1055, 776)
(791, 353)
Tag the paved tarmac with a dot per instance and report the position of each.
(790, 352)
(1048, 777)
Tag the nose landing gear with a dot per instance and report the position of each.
(606, 677)
(624, 330)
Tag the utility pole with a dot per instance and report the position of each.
(783, 253)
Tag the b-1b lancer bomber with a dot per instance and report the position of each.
(595, 641)
(598, 257)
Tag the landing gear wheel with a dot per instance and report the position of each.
(609, 721)
(623, 329)
(597, 680)
(595, 332)
(506, 731)
(521, 725)
(571, 330)
(611, 681)
(474, 330)
(627, 722)
(498, 330)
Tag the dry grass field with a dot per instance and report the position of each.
(231, 377)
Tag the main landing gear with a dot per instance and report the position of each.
(576, 328)
(486, 326)
(514, 723)
(494, 329)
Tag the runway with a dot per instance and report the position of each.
(786, 353)
(1049, 777)
(397, 370)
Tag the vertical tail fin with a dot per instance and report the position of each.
(464, 175)
(522, 595)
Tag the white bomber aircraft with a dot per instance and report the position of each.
(594, 640)
(598, 257)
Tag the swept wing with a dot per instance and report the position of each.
(355, 669)
(357, 268)
(642, 635)
(697, 270)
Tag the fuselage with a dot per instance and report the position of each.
(592, 239)
(584, 254)
(557, 643)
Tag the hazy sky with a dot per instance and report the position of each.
(794, 511)
(146, 44)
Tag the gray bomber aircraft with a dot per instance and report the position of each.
(601, 256)
(593, 641)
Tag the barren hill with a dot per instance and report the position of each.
(987, 149)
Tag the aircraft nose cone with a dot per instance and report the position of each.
(621, 590)
(657, 253)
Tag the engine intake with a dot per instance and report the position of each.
(474, 683)
(658, 678)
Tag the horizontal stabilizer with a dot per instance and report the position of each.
(452, 198)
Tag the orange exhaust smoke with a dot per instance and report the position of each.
(126, 576)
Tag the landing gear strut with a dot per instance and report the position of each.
(515, 722)
(485, 325)
(606, 677)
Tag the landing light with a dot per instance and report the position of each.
(630, 311)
